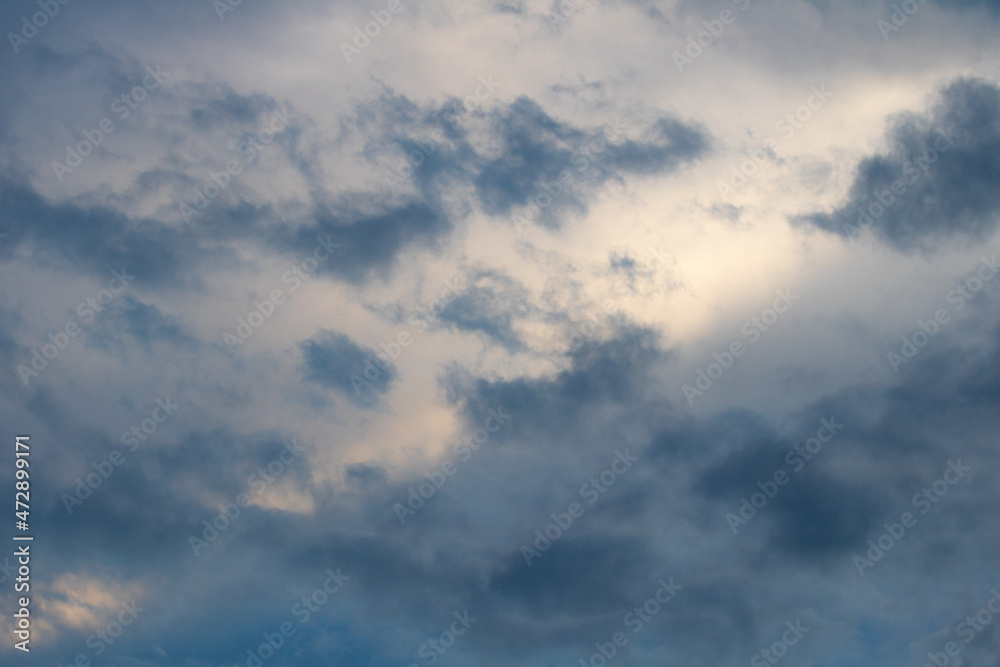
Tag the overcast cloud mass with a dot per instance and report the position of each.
(519, 332)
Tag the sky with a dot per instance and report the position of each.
(588, 332)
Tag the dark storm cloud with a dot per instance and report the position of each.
(551, 585)
(536, 150)
(97, 239)
(937, 181)
(590, 579)
(535, 146)
(333, 360)
(601, 372)
(97, 233)
(529, 151)
(371, 228)
(822, 515)
(369, 242)
(938, 410)
(817, 514)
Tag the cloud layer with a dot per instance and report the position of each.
(407, 334)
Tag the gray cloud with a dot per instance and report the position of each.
(333, 360)
(935, 183)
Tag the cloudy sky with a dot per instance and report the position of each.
(392, 333)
